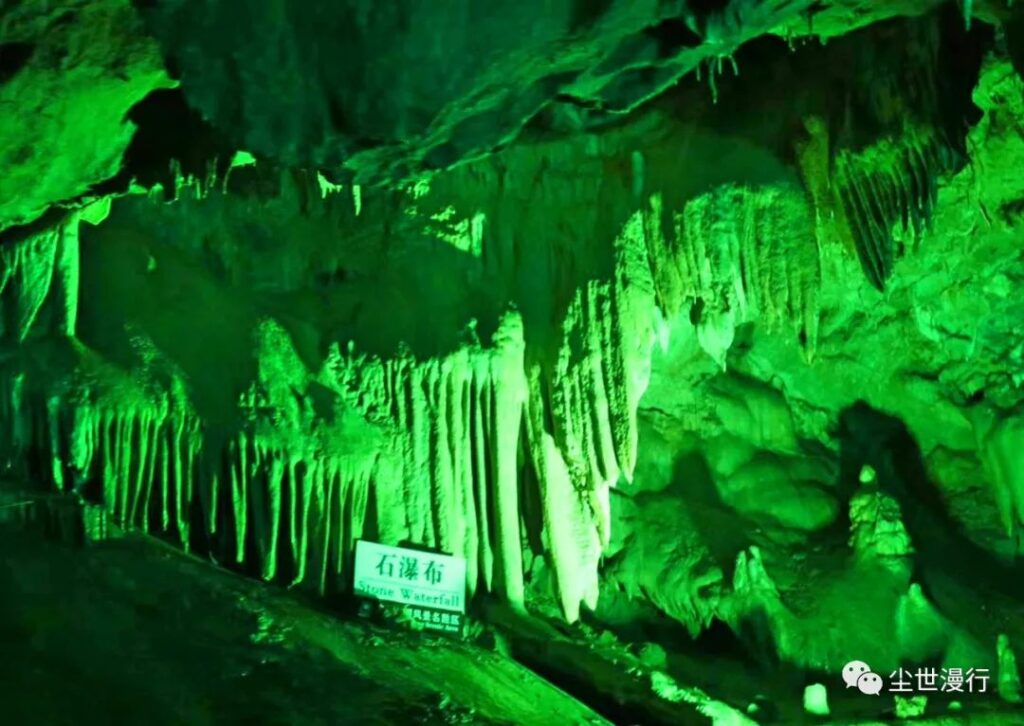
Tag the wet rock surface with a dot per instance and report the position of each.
(692, 327)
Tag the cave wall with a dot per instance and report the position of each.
(712, 325)
(69, 72)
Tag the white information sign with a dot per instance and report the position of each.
(411, 577)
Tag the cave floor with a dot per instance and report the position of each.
(130, 631)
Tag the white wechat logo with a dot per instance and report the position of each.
(857, 674)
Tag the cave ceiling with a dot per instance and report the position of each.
(627, 302)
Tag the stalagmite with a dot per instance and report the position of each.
(140, 502)
(445, 511)
(275, 486)
(310, 483)
(877, 533)
(633, 328)
(1008, 682)
(756, 603)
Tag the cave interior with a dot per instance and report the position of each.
(688, 326)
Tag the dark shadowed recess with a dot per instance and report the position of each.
(13, 57)
(1014, 29)
(170, 138)
(946, 561)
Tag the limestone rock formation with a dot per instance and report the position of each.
(692, 327)
(69, 74)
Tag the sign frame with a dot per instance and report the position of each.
(416, 578)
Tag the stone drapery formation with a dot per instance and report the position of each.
(433, 451)
(577, 256)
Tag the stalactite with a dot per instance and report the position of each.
(31, 265)
(508, 391)
(418, 496)
(318, 522)
(457, 422)
(436, 443)
(632, 326)
(238, 466)
(481, 472)
(891, 183)
(460, 431)
(572, 536)
(1000, 439)
(460, 417)
(750, 254)
(36, 272)
(441, 489)
(185, 485)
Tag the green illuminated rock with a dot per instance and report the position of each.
(696, 336)
(69, 74)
